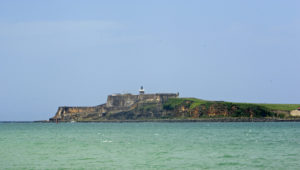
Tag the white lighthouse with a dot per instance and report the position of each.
(142, 91)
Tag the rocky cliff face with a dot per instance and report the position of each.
(167, 106)
(295, 112)
(118, 107)
(216, 109)
(191, 108)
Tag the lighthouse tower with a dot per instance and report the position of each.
(142, 91)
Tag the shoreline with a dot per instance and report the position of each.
(171, 120)
(188, 120)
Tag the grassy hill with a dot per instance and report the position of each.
(230, 109)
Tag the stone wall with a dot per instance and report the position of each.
(65, 111)
(127, 100)
(116, 104)
(295, 113)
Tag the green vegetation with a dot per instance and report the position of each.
(217, 108)
(193, 103)
(172, 103)
(148, 107)
(283, 107)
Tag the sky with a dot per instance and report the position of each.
(75, 53)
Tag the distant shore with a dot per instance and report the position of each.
(227, 119)
(165, 107)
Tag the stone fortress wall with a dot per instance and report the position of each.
(127, 100)
(115, 103)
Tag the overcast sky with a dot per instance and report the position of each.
(75, 53)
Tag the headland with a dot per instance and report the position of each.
(168, 107)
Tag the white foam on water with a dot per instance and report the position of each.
(107, 141)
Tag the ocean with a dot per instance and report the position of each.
(255, 145)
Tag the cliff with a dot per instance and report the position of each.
(168, 106)
(118, 107)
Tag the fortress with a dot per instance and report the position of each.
(118, 106)
(159, 106)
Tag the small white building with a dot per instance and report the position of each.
(142, 91)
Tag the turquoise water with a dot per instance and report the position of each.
(150, 145)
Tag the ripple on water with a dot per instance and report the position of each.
(150, 145)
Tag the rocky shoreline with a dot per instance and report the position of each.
(227, 119)
(168, 107)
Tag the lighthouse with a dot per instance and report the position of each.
(142, 91)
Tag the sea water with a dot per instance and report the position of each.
(150, 145)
